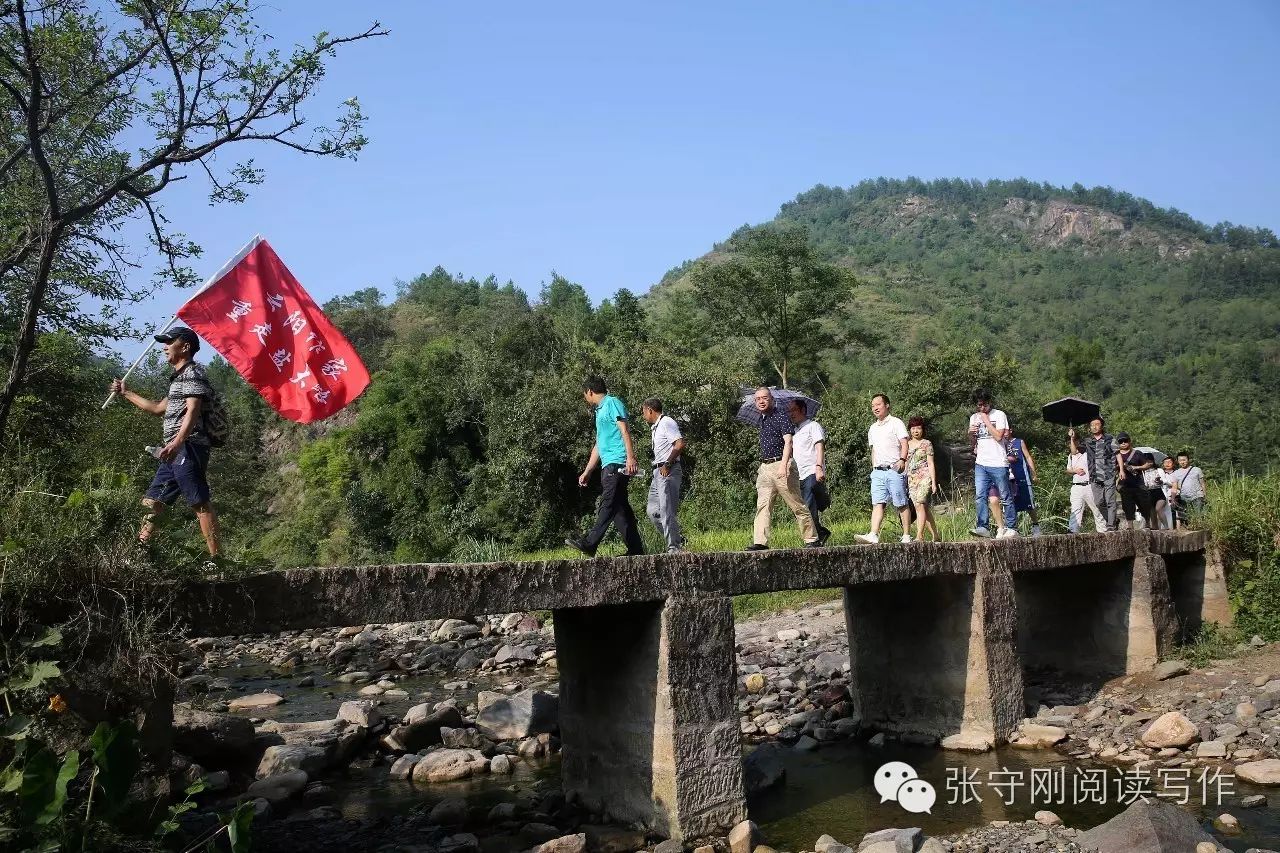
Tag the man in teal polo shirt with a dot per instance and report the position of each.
(616, 456)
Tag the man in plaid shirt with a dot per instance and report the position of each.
(184, 458)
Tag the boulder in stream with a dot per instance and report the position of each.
(214, 740)
(1147, 826)
(529, 712)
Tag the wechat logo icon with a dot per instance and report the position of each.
(899, 782)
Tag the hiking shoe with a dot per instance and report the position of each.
(823, 535)
(869, 538)
(1035, 530)
(755, 546)
(1007, 533)
(817, 543)
(579, 545)
(905, 539)
(980, 532)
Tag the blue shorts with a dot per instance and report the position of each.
(185, 476)
(888, 485)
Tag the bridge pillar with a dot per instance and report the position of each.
(1097, 620)
(647, 715)
(935, 657)
(1198, 585)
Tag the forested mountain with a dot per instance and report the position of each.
(470, 438)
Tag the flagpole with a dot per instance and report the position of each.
(139, 359)
(235, 259)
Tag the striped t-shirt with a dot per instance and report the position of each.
(188, 381)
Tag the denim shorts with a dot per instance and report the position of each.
(888, 486)
(184, 476)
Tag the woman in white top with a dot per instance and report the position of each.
(1081, 489)
(1164, 503)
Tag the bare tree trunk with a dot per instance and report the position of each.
(25, 341)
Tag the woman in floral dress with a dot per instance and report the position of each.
(922, 478)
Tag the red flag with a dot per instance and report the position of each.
(256, 314)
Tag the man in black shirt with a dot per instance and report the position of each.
(1100, 450)
(777, 475)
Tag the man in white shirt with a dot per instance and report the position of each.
(988, 427)
(1082, 489)
(664, 490)
(888, 439)
(1189, 480)
(809, 448)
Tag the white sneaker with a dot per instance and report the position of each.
(1035, 530)
(905, 539)
(980, 532)
(869, 538)
(1007, 533)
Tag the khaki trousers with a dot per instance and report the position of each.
(770, 482)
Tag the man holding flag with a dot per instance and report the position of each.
(259, 318)
(184, 458)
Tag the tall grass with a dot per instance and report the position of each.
(1243, 517)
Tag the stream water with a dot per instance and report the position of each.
(826, 791)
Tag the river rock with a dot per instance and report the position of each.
(402, 767)
(763, 768)
(519, 654)
(1226, 823)
(1170, 669)
(755, 682)
(564, 844)
(744, 837)
(500, 765)
(1151, 826)
(891, 840)
(827, 844)
(340, 740)
(470, 660)
(964, 742)
(282, 759)
(463, 842)
(529, 712)
(1253, 801)
(1036, 736)
(421, 728)
(1211, 749)
(364, 714)
(463, 738)
(449, 812)
(1171, 729)
(449, 765)
(215, 740)
(1265, 772)
(829, 664)
(220, 780)
(255, 702)
(280, 787)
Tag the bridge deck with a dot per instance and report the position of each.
(324, 597)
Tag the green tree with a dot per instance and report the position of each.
(103, 106)
(1077, 363)
(769, 286)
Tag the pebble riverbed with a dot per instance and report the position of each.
(439, 736)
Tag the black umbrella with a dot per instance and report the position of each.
(1070, 411)
(781, 398)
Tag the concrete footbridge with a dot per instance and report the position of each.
(939, 636)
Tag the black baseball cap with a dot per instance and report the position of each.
(180, 333)
(1121, 438)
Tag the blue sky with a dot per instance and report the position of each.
(610, 141)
